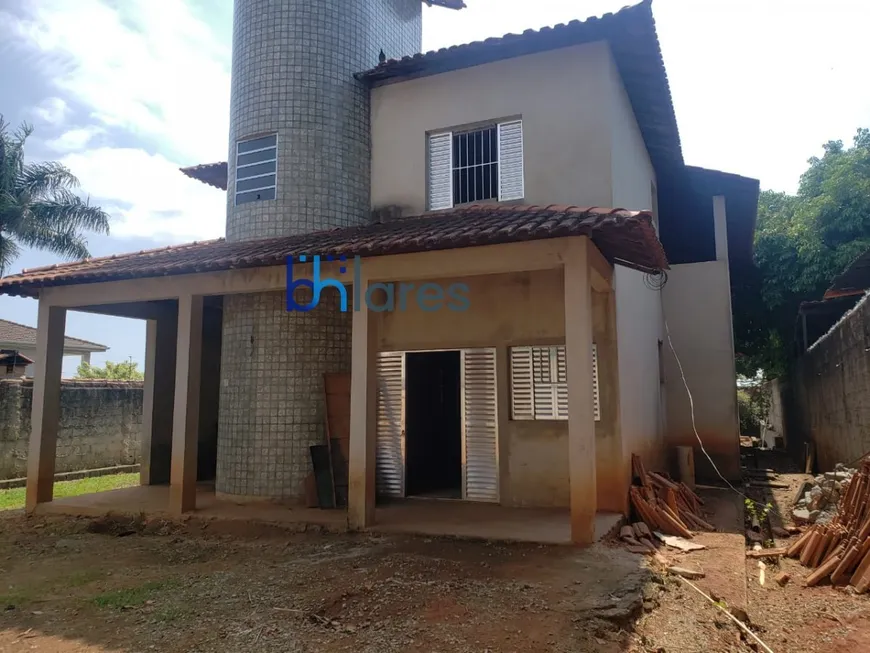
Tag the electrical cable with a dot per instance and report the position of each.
(657, 282)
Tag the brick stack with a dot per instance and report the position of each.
(665, 505)
(840, 549)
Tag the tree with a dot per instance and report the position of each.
(38, 207)
(124, 371)
(802, 242)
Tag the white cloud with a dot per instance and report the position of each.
(52, 110)
(152, 68)
(74, 139)
(146, 194)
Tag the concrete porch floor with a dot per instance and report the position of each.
(416, 516)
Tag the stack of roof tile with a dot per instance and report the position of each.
(840, 549)
(665, 505)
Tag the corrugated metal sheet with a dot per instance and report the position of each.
(391, 424)
(510, 161)
(479, 425)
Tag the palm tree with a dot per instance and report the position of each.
(38, 207)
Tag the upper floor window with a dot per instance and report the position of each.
(256, 169)
(476, 165)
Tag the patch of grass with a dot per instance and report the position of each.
(14, 498)
(132, 596)
(83, 577)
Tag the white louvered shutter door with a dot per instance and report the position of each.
(390, 465)
(522, 397)
(596, 404)
(479, 425)
(561, 383)
(510, 161)
(440, 171)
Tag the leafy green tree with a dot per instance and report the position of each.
(124, 371)
(38, 207)
(802, 242)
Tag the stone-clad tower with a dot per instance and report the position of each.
(293, 88)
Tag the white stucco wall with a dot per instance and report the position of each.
(560, 95)
(582, 146)
(638, 308)
(697, 305)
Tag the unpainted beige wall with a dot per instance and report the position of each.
(561, 95)
(697, 305)
(505, 310)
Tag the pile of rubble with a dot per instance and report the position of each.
(816, 501)
(840, 547)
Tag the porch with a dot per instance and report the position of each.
(412, 516)
(177, 289)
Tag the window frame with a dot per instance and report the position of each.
(437, 187)
(556, 410)
(237, 167)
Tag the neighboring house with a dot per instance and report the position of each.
(22, 339)
(483, 166)
(13, 364)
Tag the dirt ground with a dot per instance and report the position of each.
(233, 587)
(793, 618)
(77, 585)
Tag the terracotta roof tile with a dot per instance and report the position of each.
(213, 174)
(21, 334)
(631, 35)
(624, 236)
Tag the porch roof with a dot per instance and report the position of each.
(625, 237)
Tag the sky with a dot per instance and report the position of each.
(124, 92)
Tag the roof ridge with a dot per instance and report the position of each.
(65, 337)
(526, 32)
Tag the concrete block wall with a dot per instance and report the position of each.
(100, 423)
(829, 398)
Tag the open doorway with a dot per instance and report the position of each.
(433, 425)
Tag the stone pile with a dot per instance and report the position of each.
(817, 499)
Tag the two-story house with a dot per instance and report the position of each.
(512, 319)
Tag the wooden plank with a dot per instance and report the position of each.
(767, 553)
(336, 388)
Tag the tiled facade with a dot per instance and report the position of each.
(271, 404)
(293, 66)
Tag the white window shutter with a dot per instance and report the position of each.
(596, 407)
(510, 161)
(522, 400)
(561, 383)
(440, 171)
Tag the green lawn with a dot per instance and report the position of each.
(14, 498)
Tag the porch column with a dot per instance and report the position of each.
(45, 415)
(185, 423)
(581, 418)
(363, 409)
(86, 357)
(612, 470)
(158, 400)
